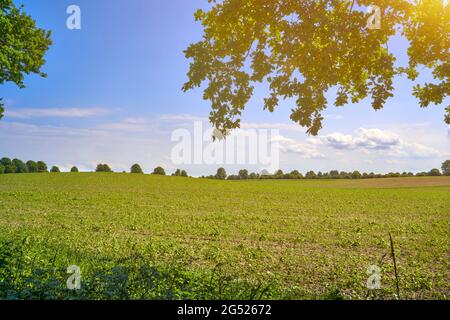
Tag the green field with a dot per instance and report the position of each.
(155, 237)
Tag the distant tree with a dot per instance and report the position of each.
(32, 166)
(103, 167)
(74, 169)
(55, 169)
(288, 176)
(344, 175)
(393, 175)
(326, 175)
(6, 162)
(243, 174)
(159, 171)
(310, 175)
(221, 174)
(446, 168)
(41, 166)
(177, 173)
(253, 176)
(407, 174)
(184, 173)
(20, 166)
(296, 174)
(334, 174)
(279, 174)
(9, 166)
(356, 175)
(2, 169)
(435, 172)
(10, 169)
(233, 177)
(136, 168)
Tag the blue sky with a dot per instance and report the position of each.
(113, 94)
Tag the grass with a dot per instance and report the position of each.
(153, 237)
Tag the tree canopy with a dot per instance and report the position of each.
(159, 171)
(5, 161)
(32, 166)
(180, 173)
(446, 168)
(55, 169)
(22, 45)
(305, 48)
(41, 166)
(20, 166)
(435, 172)
(243, 174)
(136, 168)
(221, 174)
(103, 167)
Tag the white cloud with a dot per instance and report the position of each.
(55, 113)
(339, 141)
(304, 150)
(415, 150)
(376, 139)
(370, 140)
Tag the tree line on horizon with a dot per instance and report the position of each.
(136, 168)
(333, 174)
(8, 166)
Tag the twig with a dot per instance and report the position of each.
(395, 265)
(351, 8)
